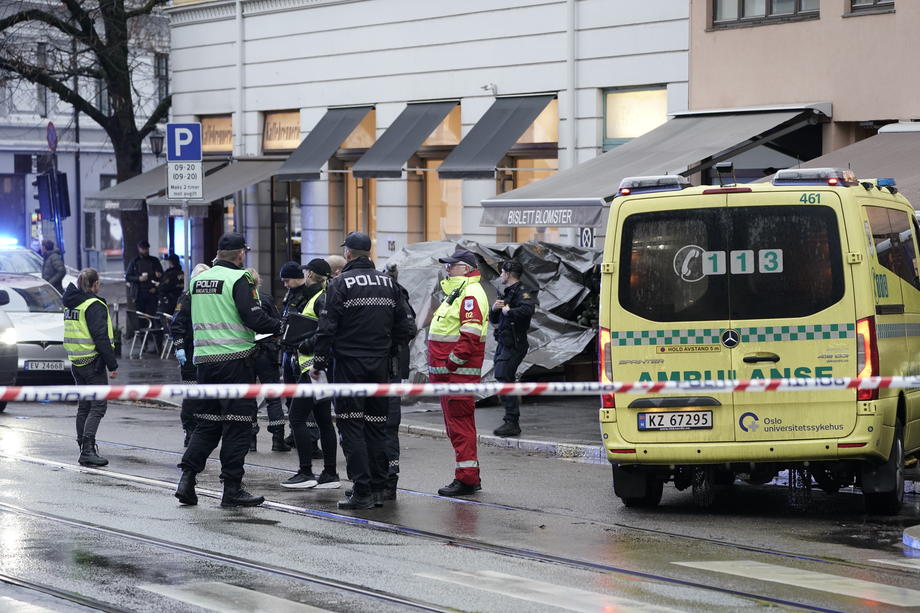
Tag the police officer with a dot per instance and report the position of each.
(399, 370)
(267, 371)
(511, 314)
(143, 277)
(226, 316)
(361, 320)
(294, 300)
(90, 344)
(456, 348)
(183, 341)
(308, 409)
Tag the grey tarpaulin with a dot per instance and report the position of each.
(562, 275)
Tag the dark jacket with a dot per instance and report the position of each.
(139, 265)
(308, 346)
(246, 299)
(363, 315)
(172, 284)
(296, 298)
(96, 320)
(53, 269)
(181, 326)
(511, 327)
(399, 353)
(271, 344)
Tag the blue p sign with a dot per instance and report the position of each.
(183, 142)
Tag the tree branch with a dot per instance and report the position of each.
(155, 117)
(41, 16)
(40, 77)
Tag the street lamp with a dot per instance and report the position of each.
(156, 143)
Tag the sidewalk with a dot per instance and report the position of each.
(557, 426)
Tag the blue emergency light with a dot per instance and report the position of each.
(654, 183)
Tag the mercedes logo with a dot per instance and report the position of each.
(730, 338)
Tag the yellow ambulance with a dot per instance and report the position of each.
(812, 275)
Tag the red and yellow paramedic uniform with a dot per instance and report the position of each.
(456, 349)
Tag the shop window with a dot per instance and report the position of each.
(89, 230)
(364, 135)
(443, 205)
(526, 172)
(447, 133)
(360, 205)
(110, 234)
(733, 12)
(545, 128)
(280, 131)
(216, 134)
(629, 113)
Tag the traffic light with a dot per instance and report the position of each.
(42, 183)
(63, 196)
(53, 195)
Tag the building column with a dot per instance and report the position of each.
(474, 192)
(322, 221)
(393, 232)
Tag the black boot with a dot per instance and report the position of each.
(289, 440)
(185, 492)
(353, 502)
(509, 428)
(89, 453)
(278, 443)
(252, 440)
(236, 496)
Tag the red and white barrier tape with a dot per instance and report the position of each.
(178, 391)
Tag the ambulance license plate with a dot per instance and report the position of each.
(44, 365)
(676, 420)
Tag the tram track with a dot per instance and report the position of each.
(466, 543)
(518, 508)
(64, 595)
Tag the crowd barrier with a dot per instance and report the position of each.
(175, 392)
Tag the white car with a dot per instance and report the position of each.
(23, 260)
(37, 314)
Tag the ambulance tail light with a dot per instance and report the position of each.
(605, 366)
(866, 355)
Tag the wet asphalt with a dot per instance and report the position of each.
(545, 534)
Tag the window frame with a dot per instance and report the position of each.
(876, 5)
(798, 13)
(609, 144)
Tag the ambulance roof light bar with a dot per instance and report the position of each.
(653, 183)
(815, 176)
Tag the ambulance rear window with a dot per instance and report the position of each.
(730, 263)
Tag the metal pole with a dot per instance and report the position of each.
(187, 236)
(76, 163)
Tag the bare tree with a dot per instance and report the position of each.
(93, 45)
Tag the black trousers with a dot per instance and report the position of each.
(227, 422)
(290, 371)
(394, 417)
(90, 412)
(507, 360)
(267, 371)
(309, 410)
(148, 303)
(190, 406)
(362, 423)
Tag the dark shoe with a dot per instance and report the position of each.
(278, 443)
(354, 502)
(236, 496)
(509, 428)
(378, 499)
(459, 488)
(389, 492)
(89, 453)
(185, 492)
(252, 442)
(300, 481)
(289, 441)
(329, 481)
(316, 453)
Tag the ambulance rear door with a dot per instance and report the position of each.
(792, 307)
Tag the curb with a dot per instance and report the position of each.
(590, 454)
(911, 537)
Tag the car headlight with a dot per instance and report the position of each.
(8, 336)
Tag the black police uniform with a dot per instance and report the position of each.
(267, 371)
(295, 299)
(511, 333)
(181, 330)
(145, 299)
(170, 288)
(361, 319)
(399, 370)
(227, 420)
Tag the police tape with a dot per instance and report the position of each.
(179, 391)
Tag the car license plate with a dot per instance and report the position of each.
(675, 420)
(44, 365)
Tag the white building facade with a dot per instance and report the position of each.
(608, 70)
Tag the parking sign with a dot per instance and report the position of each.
(183, 142)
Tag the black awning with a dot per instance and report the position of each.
(490, 139)
(401, 140)
(321, 143)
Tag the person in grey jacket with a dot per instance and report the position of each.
(53, 270)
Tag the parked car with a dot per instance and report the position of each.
(37, 314)
(22, 260)
(8, 350)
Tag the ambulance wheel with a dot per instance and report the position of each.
(653, 491)
(2, 407)
(889, 503)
